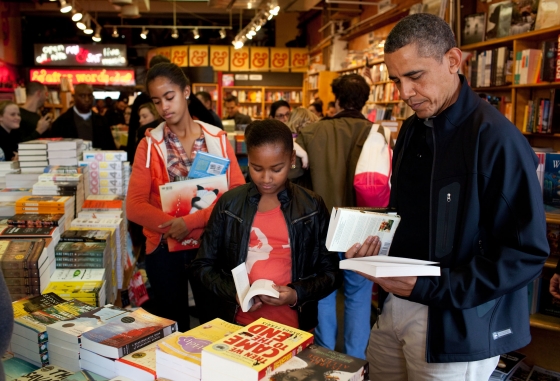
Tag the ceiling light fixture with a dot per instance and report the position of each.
(82, 24)
(76, 16)
(274, 11)
(88, 29)
(144, 33)
(65, 7)
(115, 32)
(175, 33)
(195, 33)
(237, 44)
(97, 36)
(222, 33)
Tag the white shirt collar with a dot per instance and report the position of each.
(85, 116)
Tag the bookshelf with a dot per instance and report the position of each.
(318, 84)
(255, 101)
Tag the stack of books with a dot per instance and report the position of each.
(89, 255)
(90, 292)
(65, 336)
(39, 221)
(120, 238)
(68, 170)
(33, 156)
(14, 194)
(21, 261)
(22, 180)
(7, 167)
(29, 339)
(108, 175)
(46, 205)
(178, 357)
(123, 335)
(55, 184)
(64, 151)
(251, 352)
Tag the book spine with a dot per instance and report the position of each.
(79, 265)
(29, 290)
(88, 254)
(81, 239)
(79, 259)
(141, 343)
(286, 357)
(21, 273)
(22, 281)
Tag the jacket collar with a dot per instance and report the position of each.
(284, 197)
(346, 114)
(458, 112)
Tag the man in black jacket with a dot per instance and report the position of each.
(464, 183)
(80, 122)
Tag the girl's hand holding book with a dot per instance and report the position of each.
(177, 229)
(257, 303)
(287, 296)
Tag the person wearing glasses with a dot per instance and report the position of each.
(80, 122)
(280, 110)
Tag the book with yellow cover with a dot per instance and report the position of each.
(26, 306)
(253, 351)
(83, 289)
(182, 351)
(49, 201)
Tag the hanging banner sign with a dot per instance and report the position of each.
(299, 60)
(198, 55)
(260, 59)
(179, 55)
(239, 59)
(279, 59)
(80, 55)
(91, 77)
(219, 58)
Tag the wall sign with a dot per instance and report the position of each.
(80, 55)
(91, 77)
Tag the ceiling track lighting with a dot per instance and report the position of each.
(256, 24)
(97, 36)
(195, 33)
(175, 33)
(82, 24)
(115, 32)
(76, 16)
(88, 29)
(144, 33)
(222, 33)
(65, 7)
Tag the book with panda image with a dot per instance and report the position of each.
(181, 198)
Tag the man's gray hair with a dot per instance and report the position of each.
(432, 36)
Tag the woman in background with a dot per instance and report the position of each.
(149, 118)
(9, 121)
(317, 109)
(280, 110)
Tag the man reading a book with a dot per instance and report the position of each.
(464, 183)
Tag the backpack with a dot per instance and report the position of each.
(372, 179)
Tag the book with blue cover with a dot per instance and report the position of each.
(205, 165)
(16, 367)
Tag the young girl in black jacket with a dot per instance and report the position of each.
(278, 229)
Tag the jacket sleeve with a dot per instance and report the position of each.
(512, 246)
(107, 142)
(327, 277)
(138, 206)
(210, 259)
(199, 219)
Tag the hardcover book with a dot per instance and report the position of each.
(22, 254)
(186, 197)
(253, 351)
(381, 266)
(127, 334)
(320, 363)
(47, 373)
(183, 351)
(548, 14)
(507, 365)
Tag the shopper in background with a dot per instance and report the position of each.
(32, 125)
(299, 118)
(331, 110)
(316, 108)
(465, 185)
(9, 121)
(127, 114)
(100, 107)
(163, 156)
(80, 122)
(249, 224)
(115, 114)
(149, 118)
(206, 100)
(334, 146)
(280, 110)
(232, 105)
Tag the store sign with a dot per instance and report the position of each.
(239, 59)
(299, 59)
(219, 58)
(198, 55)
(80, 55)
(179, 55)
(91, 77)
(279, 59)
(259, 59)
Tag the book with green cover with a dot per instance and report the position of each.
(85, 236)
(16, 367)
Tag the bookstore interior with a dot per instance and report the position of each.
(72, 262)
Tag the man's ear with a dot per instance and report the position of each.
(454, 57)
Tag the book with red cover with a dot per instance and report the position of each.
(186, 197)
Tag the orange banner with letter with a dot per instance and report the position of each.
(164, 52)
(239, 59)
(260, 59)
(299, 58)
(219, 58)
(198, 55)
(179, 55)
(279, 59)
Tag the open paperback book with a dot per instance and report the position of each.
(246, 291)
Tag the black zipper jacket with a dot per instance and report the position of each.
(487, 230)
(225, 243)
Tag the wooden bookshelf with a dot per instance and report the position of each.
(264, 97)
